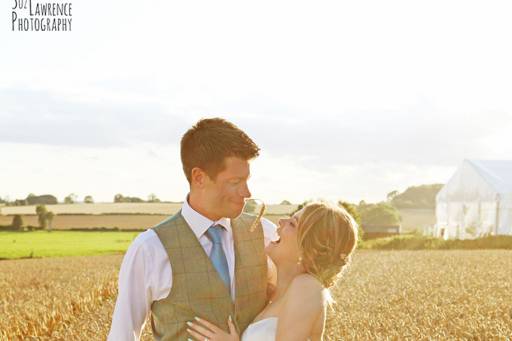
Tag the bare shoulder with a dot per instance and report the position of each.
(308, 290)
(303, 303)
(307, 282)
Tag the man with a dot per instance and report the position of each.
(203, 261)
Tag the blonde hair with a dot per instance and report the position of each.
(327, 236)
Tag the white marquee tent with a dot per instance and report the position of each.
(476, 201)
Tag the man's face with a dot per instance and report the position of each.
(227, 193)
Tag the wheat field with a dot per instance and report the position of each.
(384, 295)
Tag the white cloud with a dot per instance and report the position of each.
(139, 170)
(377, 95)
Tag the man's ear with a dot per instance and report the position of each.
(197, 177)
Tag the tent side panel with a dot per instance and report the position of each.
(488, 219)
(505, 221)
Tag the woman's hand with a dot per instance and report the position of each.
(202, 330)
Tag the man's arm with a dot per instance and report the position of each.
(134, 295)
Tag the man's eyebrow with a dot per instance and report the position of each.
(241, 177)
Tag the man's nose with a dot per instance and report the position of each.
(245, 191)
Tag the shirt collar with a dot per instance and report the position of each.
(198, 222)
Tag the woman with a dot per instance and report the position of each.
(315, 245)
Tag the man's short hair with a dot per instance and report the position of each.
(210, 141)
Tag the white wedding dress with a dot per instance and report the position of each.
(266, 329)
(262, 330)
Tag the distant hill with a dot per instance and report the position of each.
(423, 196)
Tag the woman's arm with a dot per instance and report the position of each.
(302, 308)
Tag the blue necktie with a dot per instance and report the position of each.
(217, 255)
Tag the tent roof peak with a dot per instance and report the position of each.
(497, 173)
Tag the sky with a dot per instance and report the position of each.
(347, 99)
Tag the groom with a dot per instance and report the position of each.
(203, 261)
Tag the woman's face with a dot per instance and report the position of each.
(286, 249)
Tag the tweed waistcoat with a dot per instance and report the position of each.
(198, 290)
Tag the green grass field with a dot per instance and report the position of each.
(77, 243)
(62, 243)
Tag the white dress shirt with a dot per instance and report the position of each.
(146, 275)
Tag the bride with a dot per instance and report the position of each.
(315, 245)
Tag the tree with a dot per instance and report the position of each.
(121, 198)
(20, 202)
(300, 206)
(46, 199)
(49, 218)
(88, 199)
(17, 223)
(423, 196)
(70, 199)
(285, 202)
(352, 210)
(153, 198)
(41, 215)
(379, 214)
(391, 195)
